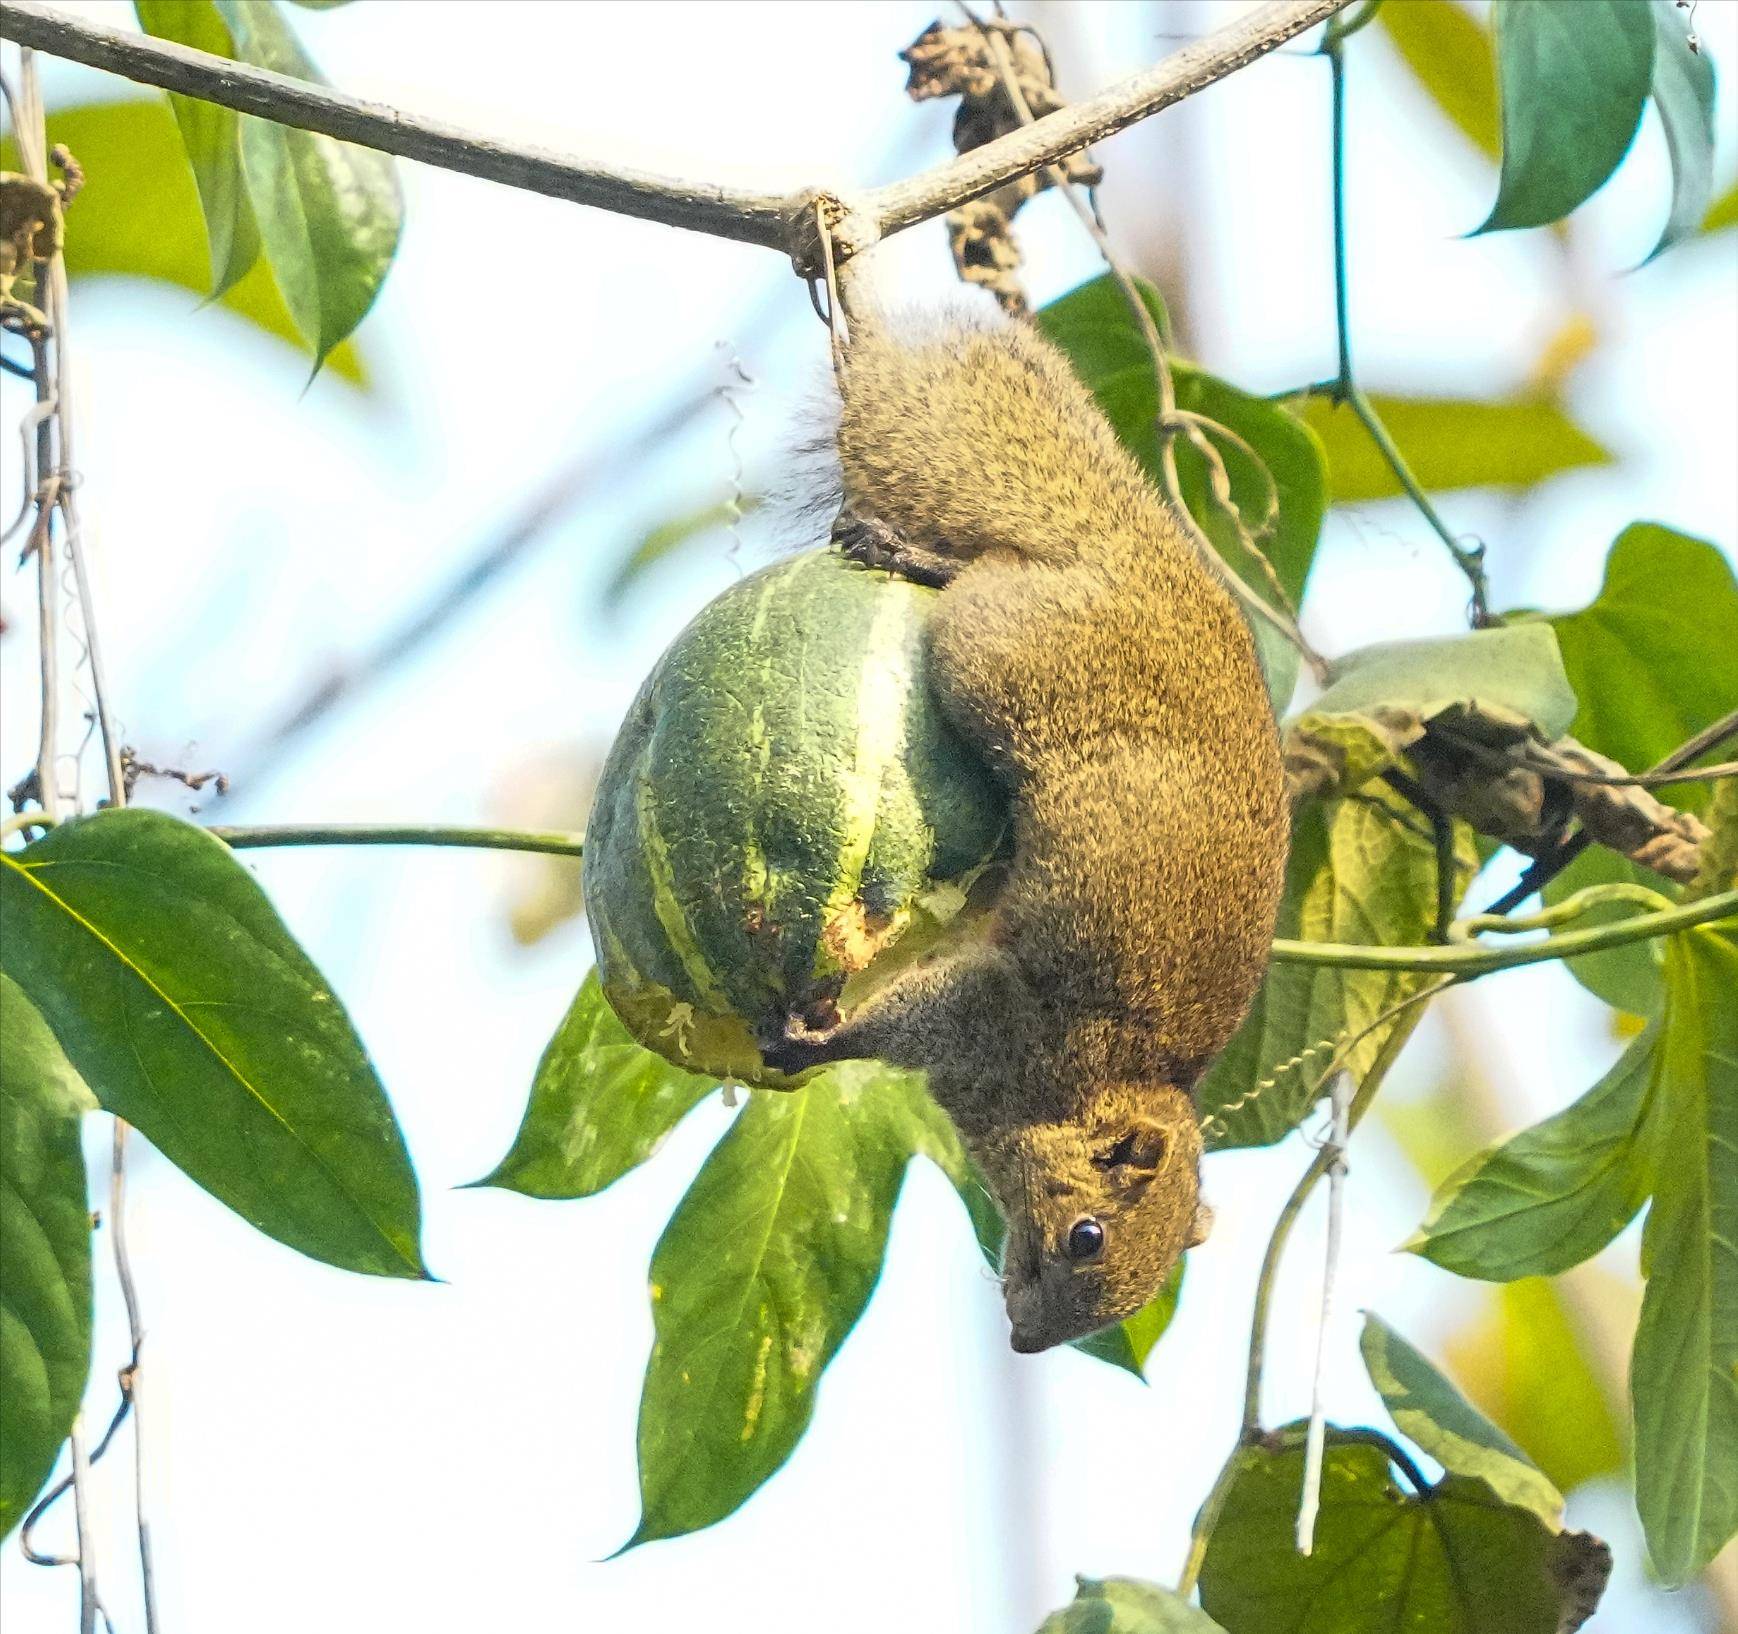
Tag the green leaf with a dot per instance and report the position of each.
(1652, 659)
(191, 1012)
(1652, 663)
(760, 1274)
(1093, 325)
(600, 1105)
(1450, 55)
(1360, 871)
(1684, 1374)
(1683, 91)
(1123, 1605)
(1574, 76)
(1553, 1195)
(1453, 1559)
(328, 212)
(1527, 1361)
(211, 136)
(1449, 442)
(1436, 1417)
(1517, 667)
(45, 1252)
(138, 215)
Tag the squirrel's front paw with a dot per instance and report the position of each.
(797, 1045)
(873, 544)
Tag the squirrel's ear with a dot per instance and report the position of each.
(1142, 1149)
(1202, 1226)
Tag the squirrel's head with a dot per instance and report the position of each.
(1098, 1209)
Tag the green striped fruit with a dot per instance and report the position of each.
(783, 808)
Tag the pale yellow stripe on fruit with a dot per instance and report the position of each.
(881, 688)
(666, 906)
(756, 875)
(754, 870)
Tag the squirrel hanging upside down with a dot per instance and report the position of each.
(1083, 647)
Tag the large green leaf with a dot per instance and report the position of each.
(760, 1274)
(600, 1105)
(1651, 658)
(1449, 442)
(45, 1252)
(1451, 56)
(189, 1009)
(1553, 1195)
(329, 213)
(1360, 871)
(1123, 1605)
(1653, 662)
(1683, 90)
(1684, 1375)
(1517, 667)
(1436, 1417)
(1574, 76)
(138, 215)
(211, 135)
(1452, 1559)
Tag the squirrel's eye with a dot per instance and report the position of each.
(1085, 1239)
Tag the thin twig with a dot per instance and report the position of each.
(1481, 960)
(28, 130)
(474, 839)
(1314, 1441)
(777, 220)
(89, 1600)
(1344, 388)
(67, 494)
(132, 1375)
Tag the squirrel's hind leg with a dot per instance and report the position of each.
(874, 544)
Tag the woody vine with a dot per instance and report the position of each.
(1444, 750)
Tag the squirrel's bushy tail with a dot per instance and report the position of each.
(974, 437)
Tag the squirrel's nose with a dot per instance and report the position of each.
(1026, 1341)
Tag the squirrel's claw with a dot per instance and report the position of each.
(797, 1046)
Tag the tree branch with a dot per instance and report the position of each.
(776, 220)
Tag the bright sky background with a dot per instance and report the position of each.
(328, 1451)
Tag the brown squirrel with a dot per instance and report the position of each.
(1085, 649)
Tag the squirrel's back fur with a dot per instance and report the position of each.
(1100, 666)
